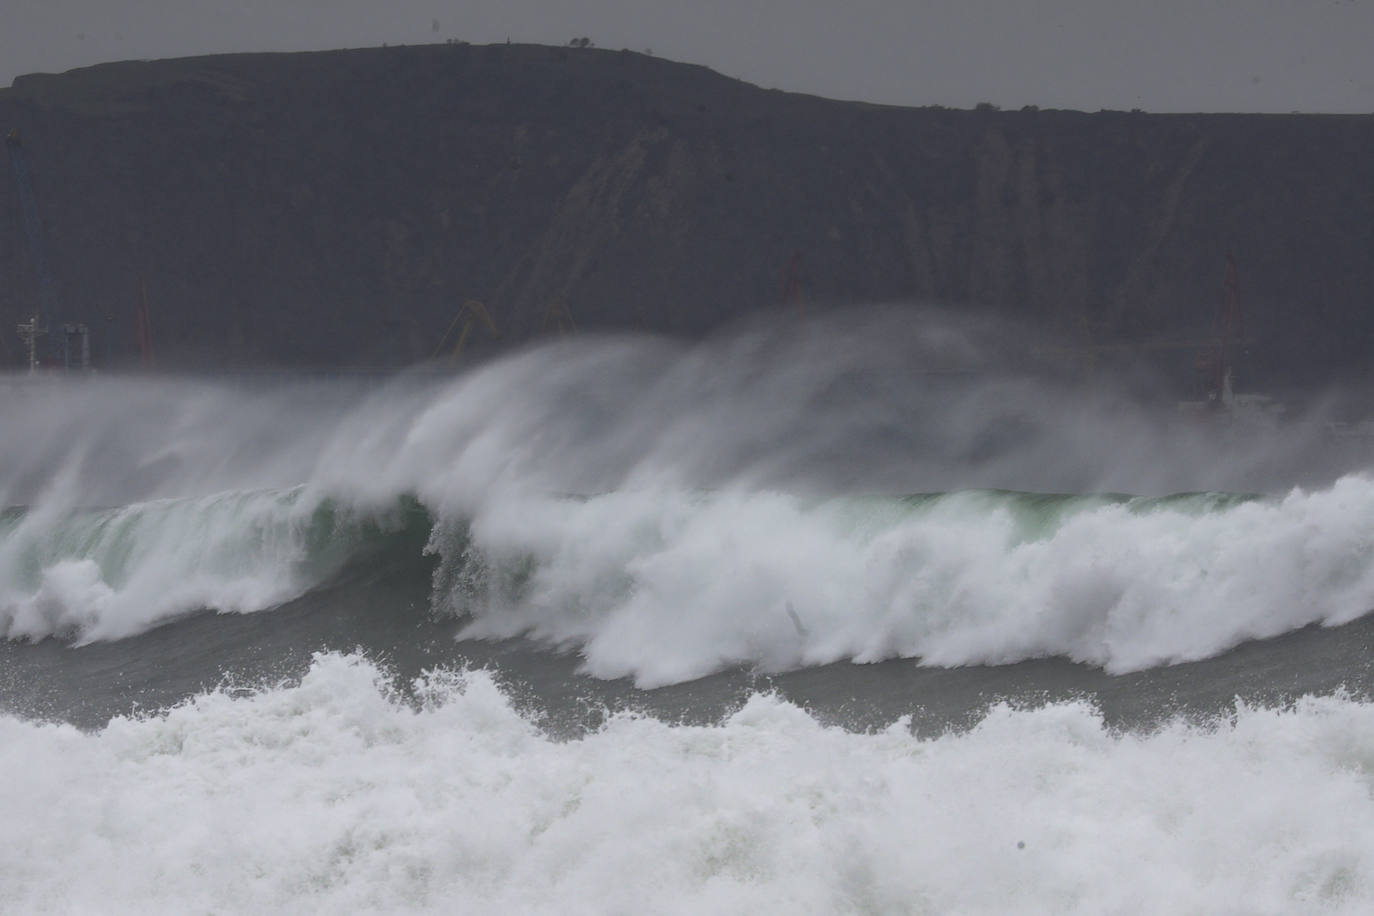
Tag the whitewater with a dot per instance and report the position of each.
(334, 796)
(829, 617)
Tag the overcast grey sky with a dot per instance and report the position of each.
(1160, 55)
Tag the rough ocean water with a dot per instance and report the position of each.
(827, 618)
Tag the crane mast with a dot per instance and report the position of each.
(37, 325)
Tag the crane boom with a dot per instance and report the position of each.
(472, 314)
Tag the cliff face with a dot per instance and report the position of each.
(337, 208)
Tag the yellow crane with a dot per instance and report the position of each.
(558, 319)
(470, 314)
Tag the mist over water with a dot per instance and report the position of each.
(866, 401)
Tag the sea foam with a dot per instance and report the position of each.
(668, 585)
(337, 795)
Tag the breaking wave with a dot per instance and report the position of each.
(668, 511)
(111, 573)
(665, 585)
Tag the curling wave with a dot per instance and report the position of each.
(100, 574)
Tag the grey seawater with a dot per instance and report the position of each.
(384, 613)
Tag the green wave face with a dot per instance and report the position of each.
(106, 573)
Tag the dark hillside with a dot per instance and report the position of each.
(338, 208)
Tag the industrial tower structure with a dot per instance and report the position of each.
(37, 325)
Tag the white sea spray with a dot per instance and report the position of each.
(337, 794)
(670, 510)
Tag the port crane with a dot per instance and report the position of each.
(1213, 364)
(792, 293)
(1213, 356)
(143, 323)
(471, 314)
(37, 325)
(558, 319)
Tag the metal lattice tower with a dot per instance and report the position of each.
(30, 331)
